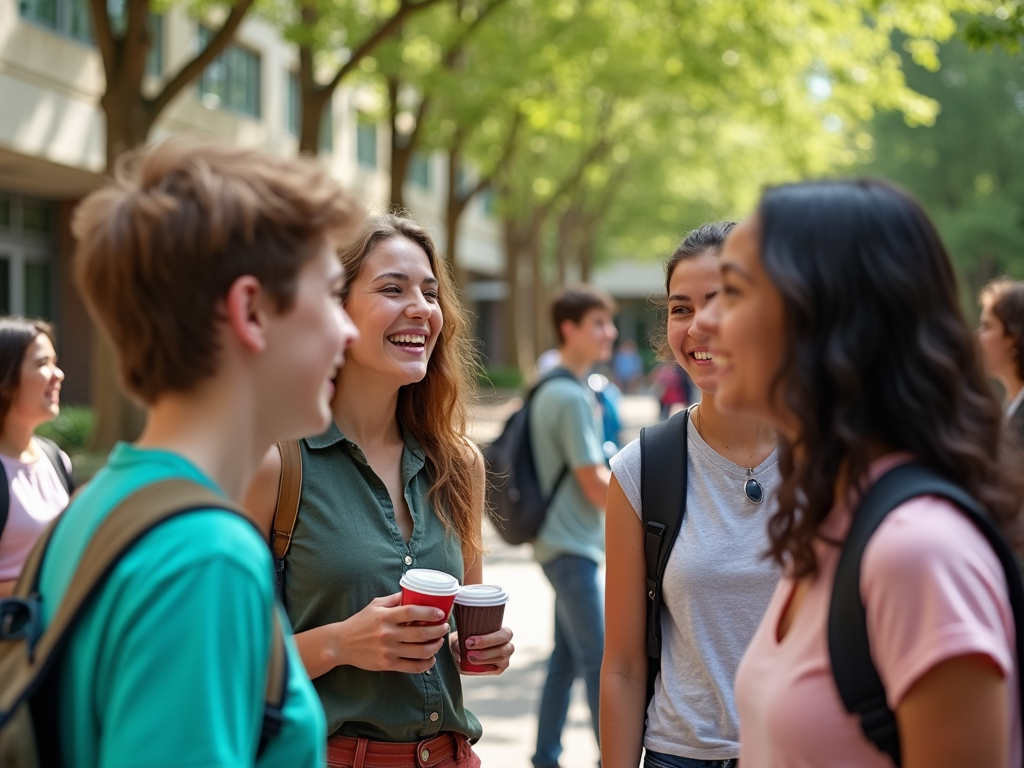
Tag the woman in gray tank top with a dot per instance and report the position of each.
(717, 582)
(393, 485)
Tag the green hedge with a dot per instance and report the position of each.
(72, 430)
(501, 377)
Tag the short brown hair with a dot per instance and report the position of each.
(1006, 300)
(574, 301)
(160, 245)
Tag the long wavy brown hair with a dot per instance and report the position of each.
(878, 354)
(434, 410)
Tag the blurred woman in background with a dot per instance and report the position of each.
(38, 473)
(1001, 336)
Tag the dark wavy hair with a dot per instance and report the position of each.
(1006, 300)
(434, 410)
(705, 239)
(878, 354)
(16, 334)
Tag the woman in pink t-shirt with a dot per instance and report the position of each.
(29, 396)
(840, 323)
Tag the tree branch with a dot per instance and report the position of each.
(378, 36)
(104, 37)
(452, 54)
(195, 66)
(507, 151)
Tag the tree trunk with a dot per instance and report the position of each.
(455, 205)
(539, 293)
(129, 120)
(513, 299)
(402, 147)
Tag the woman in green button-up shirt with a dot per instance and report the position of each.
(394, 484)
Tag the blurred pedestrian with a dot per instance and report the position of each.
(37, 472)
(1001, 337)
(567, 435)
(669, 385)
(840, 323)
(627, 365)
(393, 484)
(716, 583)
(212, 270)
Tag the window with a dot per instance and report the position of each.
(487, 202)
(366, 143)
(26, 246)
(155, 57)
(419, 171)
(37, 289)
(35, 217)
(72, 17)
(232, 81)
(5, 283)
(294, 117)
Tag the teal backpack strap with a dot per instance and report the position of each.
(663, 475)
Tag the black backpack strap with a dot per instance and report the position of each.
(5, 499)
(857, 679)
(52, 452)
(663, 474)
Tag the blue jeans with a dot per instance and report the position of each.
(658, 760)
(579, 648)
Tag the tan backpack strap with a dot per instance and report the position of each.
(289, 493)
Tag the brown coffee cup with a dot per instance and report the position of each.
(478, 610)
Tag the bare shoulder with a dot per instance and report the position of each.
(261, 498)
(473, 457)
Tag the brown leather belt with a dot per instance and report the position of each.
(363, 753)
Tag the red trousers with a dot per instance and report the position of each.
(447, 750)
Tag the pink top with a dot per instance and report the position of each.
(37, 496)
(933, 590)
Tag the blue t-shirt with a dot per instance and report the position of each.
(168, 665)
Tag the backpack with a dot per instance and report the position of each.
(52, 452)
(517, 502)
(663, 455)
(29, 654)
(856, 677)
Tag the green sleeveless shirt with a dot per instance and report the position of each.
(347, 550)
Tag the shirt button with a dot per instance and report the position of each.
(408, 560)
(425, 755)
(430, 671)
(433, 717)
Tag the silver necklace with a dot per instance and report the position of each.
(751, 487)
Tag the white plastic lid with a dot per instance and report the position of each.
(482, 595)
(427, 581)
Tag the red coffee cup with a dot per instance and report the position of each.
(479, 609)
(424, 586)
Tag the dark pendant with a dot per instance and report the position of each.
(753, 491)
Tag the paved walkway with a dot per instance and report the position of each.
(507, 704)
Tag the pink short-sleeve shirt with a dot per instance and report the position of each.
(933, 590)
(37, 496)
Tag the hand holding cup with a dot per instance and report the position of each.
(481, 644)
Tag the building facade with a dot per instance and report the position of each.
(52, 145)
